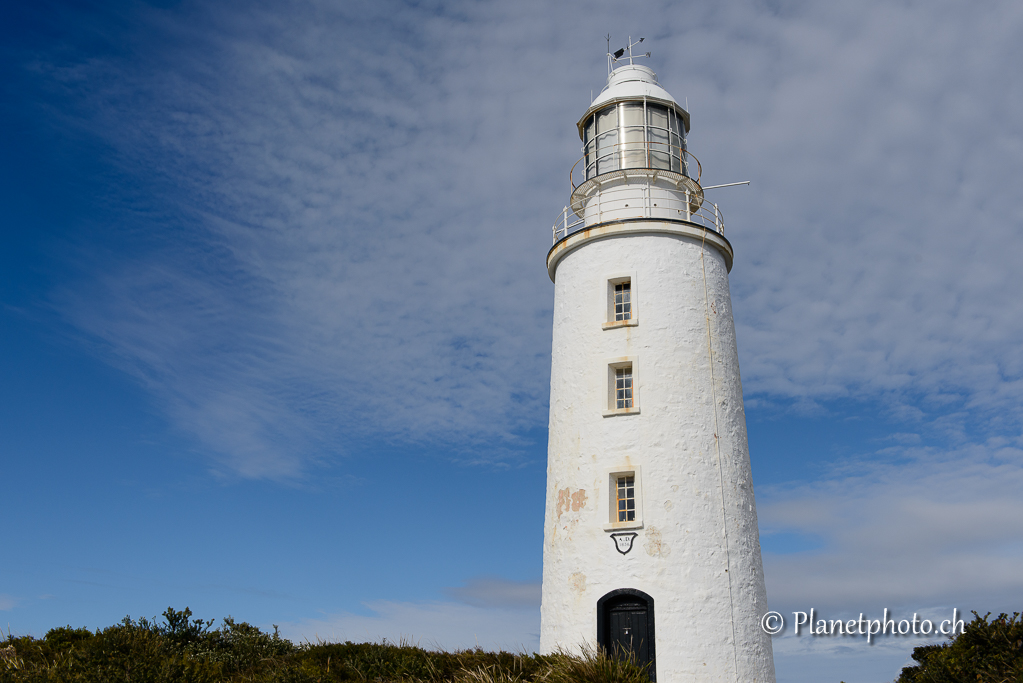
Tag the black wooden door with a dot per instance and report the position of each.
(625, 627)
(627, 632)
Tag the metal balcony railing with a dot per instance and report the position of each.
(708, 215)
(625, 155)
(690, 207)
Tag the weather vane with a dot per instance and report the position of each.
(613, 57)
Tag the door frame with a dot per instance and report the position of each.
(603, 622)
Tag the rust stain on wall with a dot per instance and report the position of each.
(563, 501)
(567, 500)
(654, 544)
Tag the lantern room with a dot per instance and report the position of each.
(634, 123)
(635, 164)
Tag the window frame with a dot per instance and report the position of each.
(609, 301)
(613, 365)
(625, 483)
(623, 290)
(624, 394)
(611, 497)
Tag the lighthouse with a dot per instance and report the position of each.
(651, 545)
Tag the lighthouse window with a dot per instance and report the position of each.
(623, 301)
(623, 387)
(626, 498)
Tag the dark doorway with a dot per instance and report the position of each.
(625, 624)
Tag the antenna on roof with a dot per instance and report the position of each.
(613, 57)
(632, 45)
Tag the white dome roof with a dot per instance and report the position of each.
(633, 82)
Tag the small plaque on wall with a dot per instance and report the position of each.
(623, 542)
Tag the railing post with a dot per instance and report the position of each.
(717, 220)
(689, 214)
(564, 219)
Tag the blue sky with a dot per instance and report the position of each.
(275, 321)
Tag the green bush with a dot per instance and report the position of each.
(65, 637)
(985, 652)
(129, 651)
(181, 649)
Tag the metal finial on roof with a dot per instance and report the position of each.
(613, 57)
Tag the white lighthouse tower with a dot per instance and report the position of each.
(650, 539)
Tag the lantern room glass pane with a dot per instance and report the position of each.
(656, 116)
(678, 157)
(589, 148)
(658, 136)
(607, 119)
(633, 135)
(607, 139)
(607, 151)
(632, 114)
(660, 149)
(678, 162)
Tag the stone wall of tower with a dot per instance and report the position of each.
(698, 552)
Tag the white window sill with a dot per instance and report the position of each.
(622, 411)
(620, 526)
(632, 322)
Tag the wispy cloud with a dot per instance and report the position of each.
(909, 528)
(926, 528)
(349, 232)
(448, 626)
(493, 591)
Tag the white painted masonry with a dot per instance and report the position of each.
(697, 553)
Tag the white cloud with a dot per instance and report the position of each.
(7, 602)
(908, 528)
(876, 245)
(355, 198)
(493, 591)
(432, 625)
(925, 529)
(809, 659)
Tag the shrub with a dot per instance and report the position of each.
(985, 652)
(181, 649)
(65, 637)
(241, 646)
